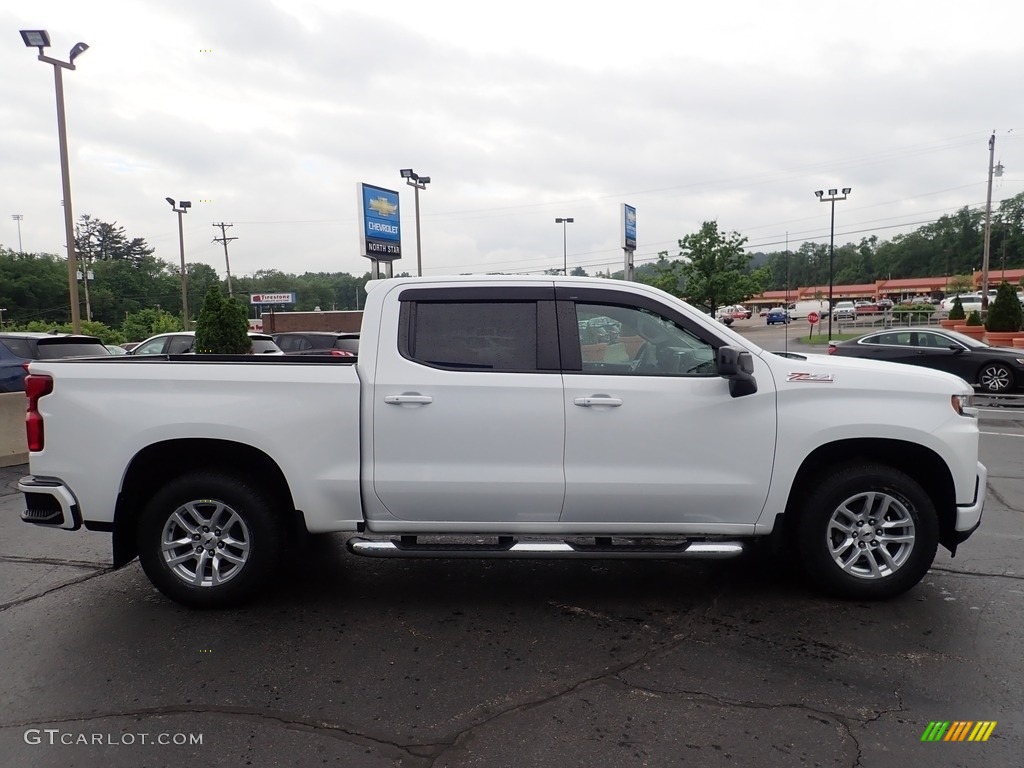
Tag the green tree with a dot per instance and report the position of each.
(663, 274)
(126, 277)
(715, 268)
(222, 328)
(33, 287)
(140, 325)
(1005, 313)
(958, 284)
(97, 240)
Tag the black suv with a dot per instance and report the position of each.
(318, 343)
(18, 349)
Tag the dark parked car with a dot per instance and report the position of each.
(18, 349)
(318, 343)
(181, 343)
(777, 316)
(993, 370)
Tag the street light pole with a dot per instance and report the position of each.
(833, 195)
(18, 217)
(182, 207)
(565, 255)
(417, 182)
(40, 38)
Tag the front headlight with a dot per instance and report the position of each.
(964, 405)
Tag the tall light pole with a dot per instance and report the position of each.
(833, 195)
(179, 209)
(565, 255)
(417, 182)
(18, 217)
(40, 38)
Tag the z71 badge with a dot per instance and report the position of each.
(819, 377)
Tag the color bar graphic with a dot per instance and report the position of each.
(958, 730)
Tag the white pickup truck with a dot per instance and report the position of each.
(515, 417)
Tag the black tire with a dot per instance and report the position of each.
(995, 378)
(876, 519)
(223, 539)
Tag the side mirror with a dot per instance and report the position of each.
(737, 365)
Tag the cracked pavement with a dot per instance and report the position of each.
(358, 662)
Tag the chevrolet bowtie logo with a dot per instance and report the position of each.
(382, 206)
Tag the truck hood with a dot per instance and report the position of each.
(858, 373)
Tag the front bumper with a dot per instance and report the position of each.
(968, 516)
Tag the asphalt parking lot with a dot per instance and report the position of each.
(356, 662)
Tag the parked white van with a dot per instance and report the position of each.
(800, 309)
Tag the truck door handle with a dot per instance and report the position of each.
(403, 399)
(587, 402)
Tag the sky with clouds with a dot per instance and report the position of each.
(267, 113)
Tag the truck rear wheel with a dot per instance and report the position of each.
(867, 532)
(209, 540)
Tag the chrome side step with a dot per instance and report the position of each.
(511, 547)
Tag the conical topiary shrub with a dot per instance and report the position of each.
(1005, 315)
(222, 328)
(956, 312)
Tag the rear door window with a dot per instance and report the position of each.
(19, 347)
(476, 335)
(350, 344)
(264, 347)
(180, 345)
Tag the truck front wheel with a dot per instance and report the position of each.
(867, 532)
(209, 540)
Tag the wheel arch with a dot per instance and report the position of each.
(154, 465)
(917, 461)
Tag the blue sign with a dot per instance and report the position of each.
(381, 235)
(628, 227)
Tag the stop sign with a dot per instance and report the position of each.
(812, 317)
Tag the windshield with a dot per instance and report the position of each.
(54, 349)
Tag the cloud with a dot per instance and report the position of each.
(267, 114)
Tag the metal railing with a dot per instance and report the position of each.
(1001, 407)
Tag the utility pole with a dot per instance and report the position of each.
(225, 240)
(996, 170)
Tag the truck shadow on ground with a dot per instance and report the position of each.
(323, 570)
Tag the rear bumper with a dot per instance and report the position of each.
(49, 503)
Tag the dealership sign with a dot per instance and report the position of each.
(380, 234)
(272, 298)
(628, 227)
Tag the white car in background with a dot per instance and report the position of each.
(845, 310)
(181, 343)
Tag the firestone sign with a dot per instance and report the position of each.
(272, 298)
